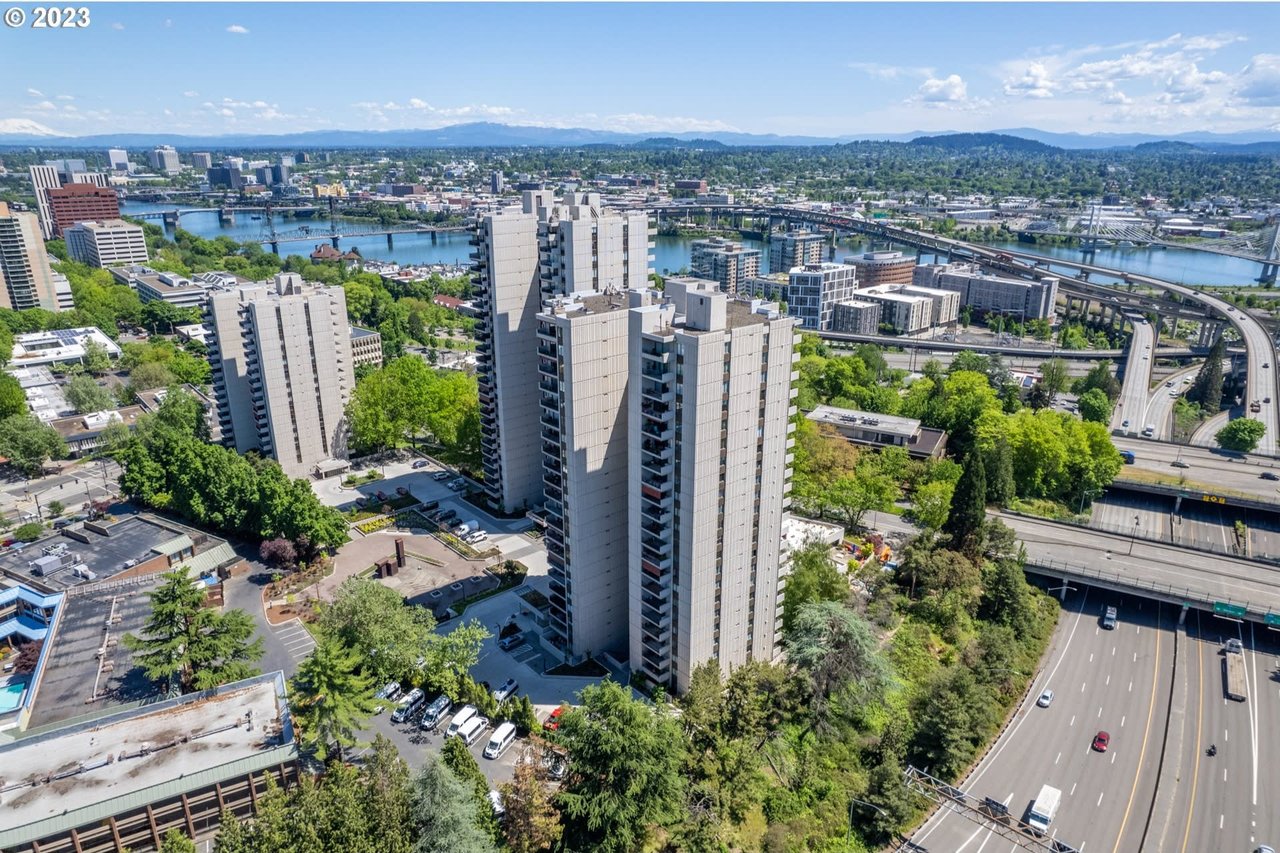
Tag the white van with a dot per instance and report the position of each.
(470, 733)
(460, 719)
(409, 705)
(502, 738)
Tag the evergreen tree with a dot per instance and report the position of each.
(330, 700)
(1207, 389)
(969, 508)
(198, 646)
(443, 811)
(459, 759)
(532, 822)
(175, 842)
(1001, 486)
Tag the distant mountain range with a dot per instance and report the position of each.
(23, 132)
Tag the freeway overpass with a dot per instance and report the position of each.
(1027, 350)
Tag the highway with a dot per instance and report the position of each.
(1159, 410)
(1116, 681)
(915, 359)
(1131, 408)
(1241, 474)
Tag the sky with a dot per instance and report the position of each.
(815, 69)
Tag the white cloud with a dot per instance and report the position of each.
(419, 104)
(65, 97)
(1035, 82)
(238, 30)
(949, 89)
(191, 93)
(44, 106)
(117, 26)
(1259, 83)
(226, 112)
(35, 93)
(891, 72)
(1188, 85)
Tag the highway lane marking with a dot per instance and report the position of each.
(1113, 758)
(1108, 684)
(1130, 686)
(1099, 801)
(1135, 657)
(1142, 754)
(1090, 657)
(1253, 708)
(995, 753)
(1073, 720)
(1059, 758)
(1122, 719)
(1221, 820)
(1226, 736)
(1195, 772)
(1073, 790)
(1082, 684)
(1224, 774)
(1099, 712)
(1113, 651)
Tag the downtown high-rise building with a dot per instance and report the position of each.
(26, 279)
(43, 179)
(709, 420)
(524, 257)
(282, 371)
(118, 159)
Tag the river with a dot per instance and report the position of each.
(672, 253)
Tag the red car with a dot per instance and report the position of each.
(1100, 741)
(553, 722)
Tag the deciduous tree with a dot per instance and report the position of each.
(1241, 434)
(532, 822)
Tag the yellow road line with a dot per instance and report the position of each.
(1155, 676)
(1195, 776)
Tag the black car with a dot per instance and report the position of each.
(421, 463)
(1270, 475)
(447, 516)
(430, 505)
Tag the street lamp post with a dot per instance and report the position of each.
(853, 800)
(1134, 535)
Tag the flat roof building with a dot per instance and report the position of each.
(59, 346)
(122, 781)
(366, 347)
(857, 317)
(1029, 300)
(26, 278)
(872, 429)
(810, 292)
(906, 313)
(43, 179)
(109, 243)
(72, 203)
(83, 433)
(282, 370)
(793, 249)
(724, 261)
(876, 268)
(709, 419)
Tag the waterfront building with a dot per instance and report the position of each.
(1029, 300)
(793, 249)
(282, 370)
(107, 243)
(525, 256)
(333, 190)
(725, 261)
(709, 416)
(43, 179)
(228, 177)
(26, 279)
(876, 268)
(583, 380)
(72, 203)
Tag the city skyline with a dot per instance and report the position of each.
(856, 69)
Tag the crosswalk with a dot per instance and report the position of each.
(297, 640)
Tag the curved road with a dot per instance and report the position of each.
(1130, 411)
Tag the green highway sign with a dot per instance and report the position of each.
(1228, 609)
(1272, 618)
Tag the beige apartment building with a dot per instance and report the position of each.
(25, 275)
(708, 410)
(282, 370)
(105, 244)
(795, 249)
(526, 256)
(724, 261)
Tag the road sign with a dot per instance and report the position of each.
(1223, 609)
(1272, 618)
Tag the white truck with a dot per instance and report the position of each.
(1044, 809)
(466, 527)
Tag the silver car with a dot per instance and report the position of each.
(1046, 699)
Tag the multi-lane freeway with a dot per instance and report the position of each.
(1243, 474)
(1154, 684)
(1131, 408)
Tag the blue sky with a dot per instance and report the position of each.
(821, 69)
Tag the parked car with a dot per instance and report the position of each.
(448, 516)
(506, 691)
(475, 537)
(441, 475)
(390, 692)
(512, 642)
(421, 463)
(430, 505)
(458, 485)
(553, 722)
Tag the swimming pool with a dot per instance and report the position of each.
(11, 696)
